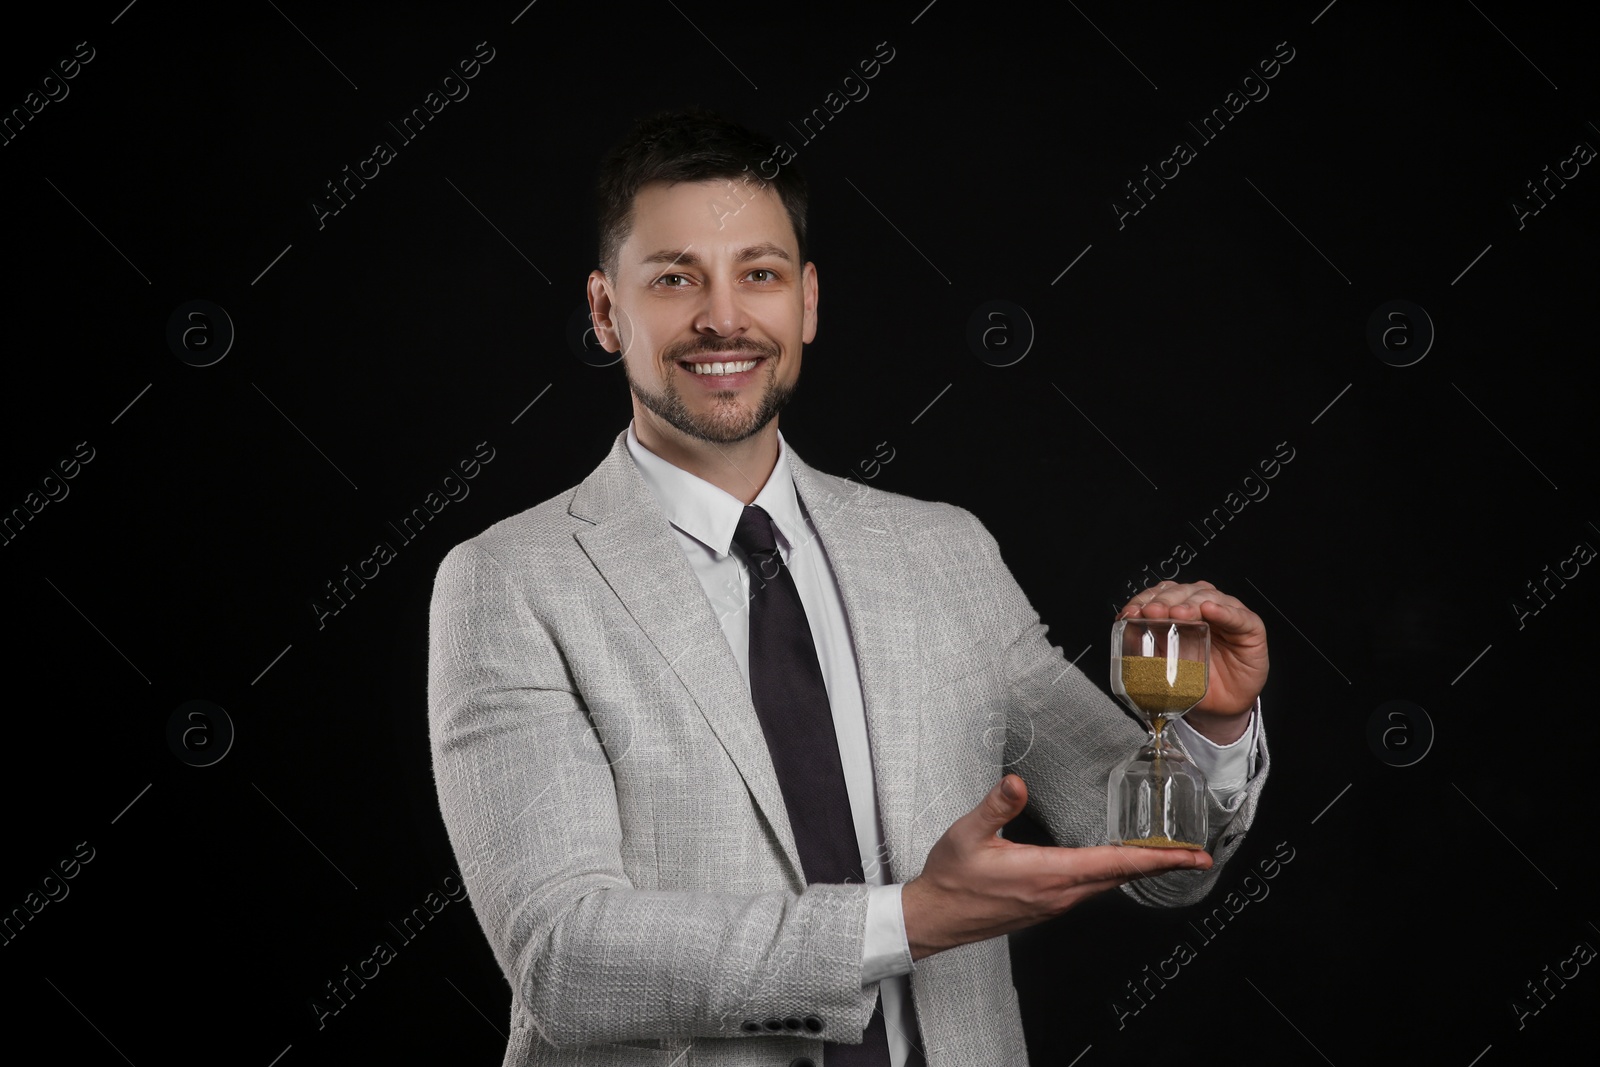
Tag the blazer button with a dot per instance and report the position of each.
(774, 1025)
(813, 1024)
(791, 1023)
(750, 1026)
(803, 1061)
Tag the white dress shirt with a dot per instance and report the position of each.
(704, 518)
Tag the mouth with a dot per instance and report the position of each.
(724, 368)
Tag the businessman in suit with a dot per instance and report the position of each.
(724, 743)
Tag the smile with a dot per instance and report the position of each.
(734, 367)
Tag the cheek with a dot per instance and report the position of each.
(636, 336)
(791, 325)
(643, 367)
(648, 331)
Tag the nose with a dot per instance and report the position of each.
(722, 312)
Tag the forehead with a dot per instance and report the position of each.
(713, 216)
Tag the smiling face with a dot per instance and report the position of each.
(710, 307)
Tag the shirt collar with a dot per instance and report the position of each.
(711, 515)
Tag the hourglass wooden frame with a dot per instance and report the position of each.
(1160, 669)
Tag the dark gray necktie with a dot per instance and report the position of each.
(791, 700)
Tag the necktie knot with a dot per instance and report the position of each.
(755, 536)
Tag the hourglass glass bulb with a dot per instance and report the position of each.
(1158, 798)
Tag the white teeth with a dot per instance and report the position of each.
(722, 368)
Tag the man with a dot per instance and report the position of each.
(722, 742)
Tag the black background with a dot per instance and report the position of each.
(372, 354)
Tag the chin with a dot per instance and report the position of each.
(726, 433)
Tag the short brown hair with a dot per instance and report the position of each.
(690, 145)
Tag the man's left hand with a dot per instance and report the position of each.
(1238, 669)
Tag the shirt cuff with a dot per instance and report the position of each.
(1228, 768)
(885, 952)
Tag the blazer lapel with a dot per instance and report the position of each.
(869, 561)
(633, 547)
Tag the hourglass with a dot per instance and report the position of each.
(1159, 669)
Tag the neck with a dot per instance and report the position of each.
(739, 469)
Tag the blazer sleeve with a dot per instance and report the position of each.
(1064, 735)
(528, 799)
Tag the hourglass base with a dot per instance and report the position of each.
(1157, 800)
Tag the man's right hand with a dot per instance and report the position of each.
(978, 885)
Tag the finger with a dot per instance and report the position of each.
(1147, 862)
(1190, 604)
(1002, 804)
(1229, 615)
(1112, 864)
(1133, 608)
(1177, 595)
(1157, 601)
(1120, 863)
(1163, 607)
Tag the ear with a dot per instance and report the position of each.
(602, 312)
(808, 285)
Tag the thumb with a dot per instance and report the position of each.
(1008, 797)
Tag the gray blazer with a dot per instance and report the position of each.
(607, 788)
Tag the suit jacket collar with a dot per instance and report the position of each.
(708, 513)
(631, 545)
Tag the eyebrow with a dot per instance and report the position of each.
(744, 255)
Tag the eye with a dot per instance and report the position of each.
(770, 275)
(665, 280)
